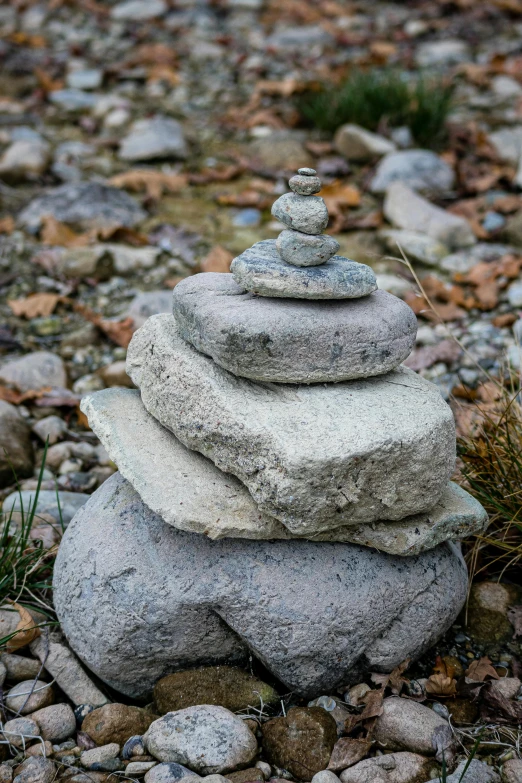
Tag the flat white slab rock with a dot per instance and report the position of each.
(315, 457)
(190, 493)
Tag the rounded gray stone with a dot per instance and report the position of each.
(207, 738)
(315, 457)
(305, 185)
(302, 213)
(138, 599)
(306, 171)
(305, 249)
(188, 491)
(261, 269)
(293, 340)
(421, 170)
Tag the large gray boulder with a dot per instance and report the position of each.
(314, 457)
(138, 599)
(188, 491)
(421, 170)
(293, 340)
(261, 269)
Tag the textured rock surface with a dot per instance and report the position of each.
(418, 247)
(293, 341)
(305, 184)
(305, 249)
(84, 205)
(419, 169)
(138, 599)
(34, 371)
(476, 772)
(47, 503)
(390, 768)
(407, 209)
(225, 686)
(302, 213)
(170, 772)
(116, 723)
(301, 742)
(380, 448)
(157, 137)
(407, 725)
(56, 722)
(359, 144)
(189, 492)
(260, 269)
(16, 453)
(205, 738)
(29, 695)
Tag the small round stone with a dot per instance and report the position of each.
(307, 172)
(305, 249)
(305, 186)
(307, 214)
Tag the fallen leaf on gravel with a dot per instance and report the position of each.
(479, 670)
(46, 82)
(503, 320)
(224, 174)
(217, 260)
(55, 233)
(26, 630)
(347, 752)
(423, 358)
(154, 183)
(119, 332)
(373, 708)
(441, 685)
(18, 398)
(35, 305)
(394, 680)
(496, 708)
(515, 618)
(7, 225)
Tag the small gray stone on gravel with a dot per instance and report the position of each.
(407, 725)
(24, 159)
(270, 340)
(512, 771)
(389, 768)
(99, 755)
(446, 52)
(35, 770)
(16, 452)
(260, 269)
(149, 303)
(477, 772)
(139, 767)
(325, 776)
(34, 371)
(206, 738)
(47, 503)
(359, 144)
(189, 492)
(83, 205)
(57, 722)
(356, 470)
(170, 772)
(508, 143)
(51, 429)
(137, 11)
(464, 260)
(301, 213)
(418, 247)
(149, 139)
(19, 667)
(244, 594)
(421, 170)
(65, 668)
(301, 249)
(30, 695)
(3, 673)
(407, 209)
(305, 185)
(19, 732)
(73, 100)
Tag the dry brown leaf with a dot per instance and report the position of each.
(217, 260)
(35, 305)
(119, 332)
(394, 680)
(441, 685)
(26, 630)
(53, 232)
(7, 225)
(479, 670)
(163, 73)
(373, 708)
(46, 82)
(446, 351)
(223, 174)
(154, 183)
(18, 398)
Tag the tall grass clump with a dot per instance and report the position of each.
(25, 566)
(491, 466)
(383, 98)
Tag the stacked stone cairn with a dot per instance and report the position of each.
(284, 483)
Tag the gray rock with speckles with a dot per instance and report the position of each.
(314, 457)
(293, 340)
(261, 269)
(138, 598)
(302, 213)
(305, 249)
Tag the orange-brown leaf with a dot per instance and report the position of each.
(53, 232)
(480, 670)
(154, 183)
(7, 225)
(35, 305)
(217, 260)
(441, 685)
(26, 630)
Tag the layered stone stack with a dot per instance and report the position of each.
(284, 482)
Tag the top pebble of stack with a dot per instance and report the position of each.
(305, 182)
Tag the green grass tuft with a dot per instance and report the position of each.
(383, 98)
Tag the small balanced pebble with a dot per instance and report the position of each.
(305, 182)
